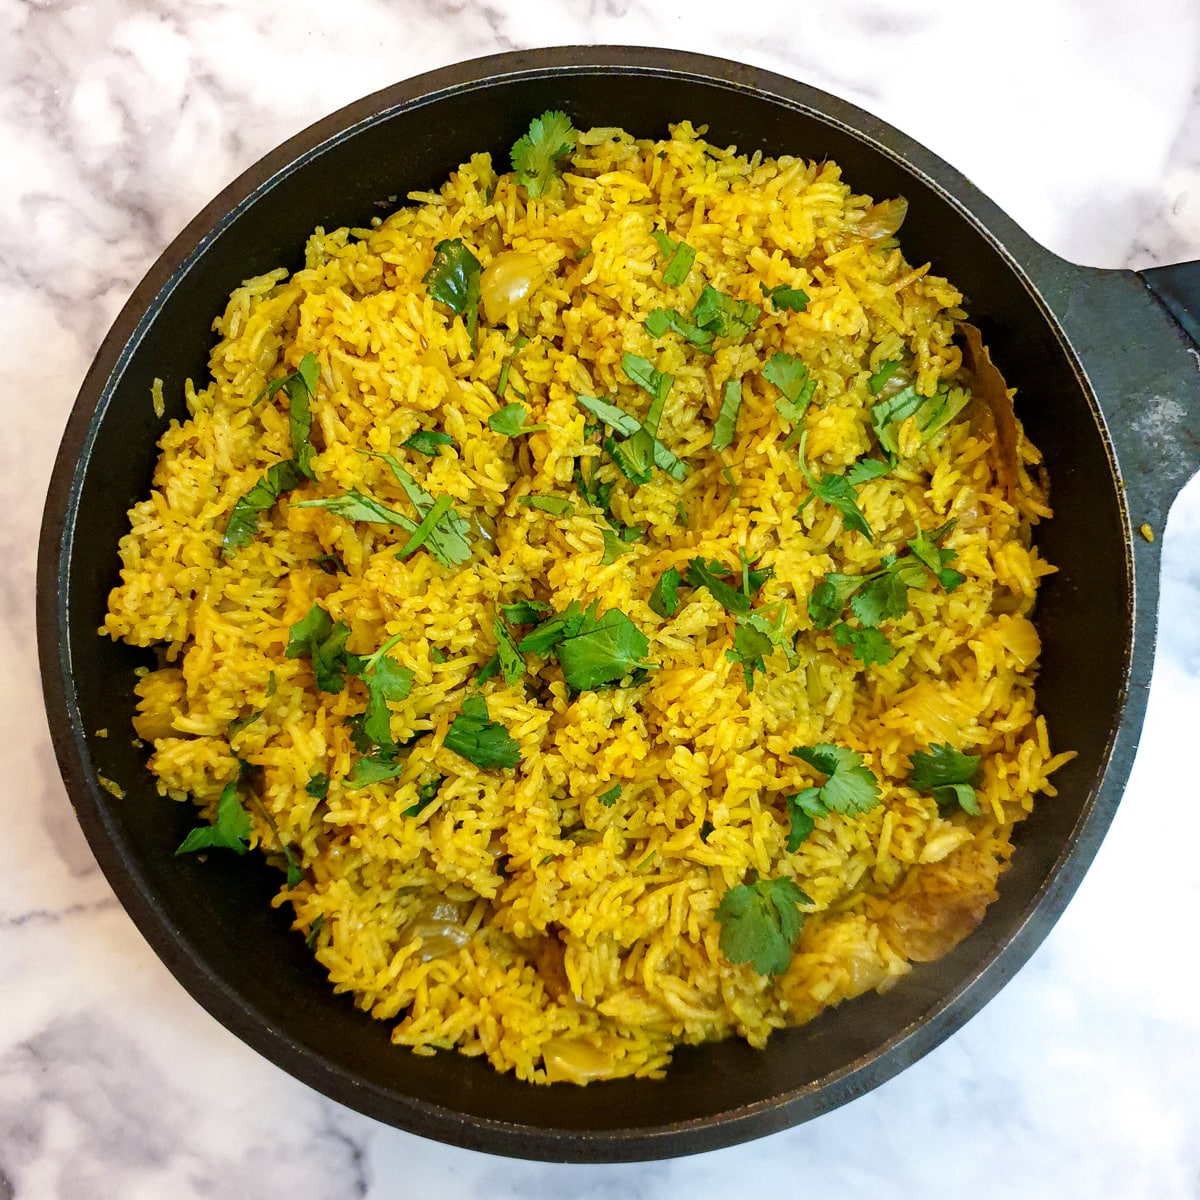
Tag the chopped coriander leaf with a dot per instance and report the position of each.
(300, 391)
(724, 315)
(512, 661)
(783, 296)
(941, 765)
(866, 469)
(373, 768)
(679, 256)
(751, 645)
(230, 831)
(925, 548)
(489, 668)
(718, 579)
(604, 649)
(354, 506)
(239, 723)
(609, 798)
(622, 422)
(726, 424)
(535, 156)
(556, 506)
(317, 637)
(652, 381)
(294, 872)
(447, 539)
(330, 563)
(510, 421)
(318, 786)
(419, 536)
(888, 415)
(883, 597)
(387, 682)
(427, 442)
(438, 655)
(280, 478)
(659, 320)
(790, 376)
(634, 457)
(314, 931)
(869, 646)
(880, 378)
(838, 492)
(552, 630)
(453, 280)
(664, 599)
(618, 540)
(801, 819)
(479, 739)
(761, 922)
(850, 787)
(948, 774)
(526, 612)
(519, 344)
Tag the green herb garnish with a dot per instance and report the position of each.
(373, 768)
(454, 281)
(659, 320)
(948, 774)
(850, 787)
(726, 425)
(230, 831)
(318, 786)
(535, 156)
(603, 650)
(761, 922)
(664, 599)
(519, 344)
(510, 421)
(790, 376)
(757, 635)
(556, 506)
(724, 315)
(783, 296)
(609, 798)
(428, 442)
(838, 492)
(512, 661)
(620, 421)
(318, 638)
(387, 682)
(479, 739)
(679, 256)
(280, 478)
(869, 646)
(719, 580)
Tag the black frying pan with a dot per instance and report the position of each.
(1108, 387)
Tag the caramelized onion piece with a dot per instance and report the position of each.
(883, 220)
(571, 1061)
(987, 384)
(440, 927)
(507, 280)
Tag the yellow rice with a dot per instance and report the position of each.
(591, 943)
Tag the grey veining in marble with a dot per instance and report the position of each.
(119, 120)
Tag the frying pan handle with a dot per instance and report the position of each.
(1177, 289)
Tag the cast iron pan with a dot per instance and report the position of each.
(1108, 387)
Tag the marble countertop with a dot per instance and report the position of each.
(119, 119)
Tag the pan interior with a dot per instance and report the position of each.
(212, 921)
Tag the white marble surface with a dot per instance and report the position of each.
(118, 120)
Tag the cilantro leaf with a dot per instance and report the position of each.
(783, 296)
(301, 388)
(850, 787)
(556, 506)
(724, 315)
(880, 378)
(387, 682)
(679, 256)
(512, 661)
(318, 786)
(889, 414)
(535, 156)
(717, 578)
(553, 630)
(755, 636)
(790, 376)
(609, 798)
(926, 550)
(354, 506)
(604, 649)
(510, 421)
(726, 424)
(447, 537)
(654, 382)
(866, 469)
(618, 539)
(802, 809)
(280, 477)
(316, 637)
(230, 831)
(830, 596)
(479, 739)
(659, 320)
(428, 442)
(869, 646)
(519, 344)
(941, 765)
(526, 612)
(838, 492)
(664, 599)
(373, 768)
(884, 596)
(761, 922)
(453, 280)
(634, 456)
(619, 420)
